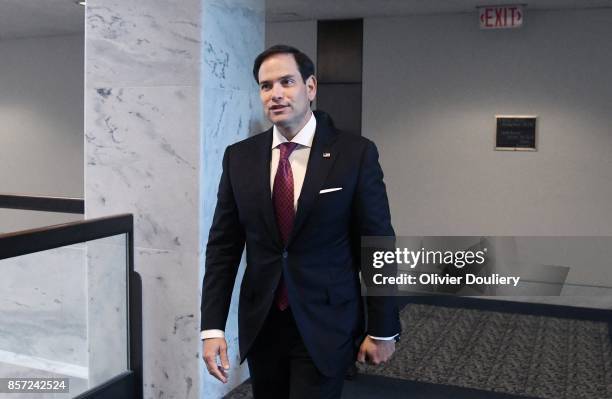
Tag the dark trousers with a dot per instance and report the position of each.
(281, 367)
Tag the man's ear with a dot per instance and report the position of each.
(311, 87)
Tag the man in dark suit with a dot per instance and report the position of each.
(300, 195)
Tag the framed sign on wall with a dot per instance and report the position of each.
(516, 132)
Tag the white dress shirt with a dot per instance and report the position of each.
(298, 159)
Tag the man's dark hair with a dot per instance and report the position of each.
(304, 63)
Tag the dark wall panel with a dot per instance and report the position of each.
(339, 70)
(340, 51)
(343, 103)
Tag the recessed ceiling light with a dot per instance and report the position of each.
(81, 3)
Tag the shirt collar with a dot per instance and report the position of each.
(304, 137)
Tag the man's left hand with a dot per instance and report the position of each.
(375, 351)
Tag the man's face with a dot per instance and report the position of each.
(284, 94)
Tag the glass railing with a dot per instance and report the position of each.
(70, 319)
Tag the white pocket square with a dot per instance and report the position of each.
(329, 190)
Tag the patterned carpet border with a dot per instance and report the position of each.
(451, 345)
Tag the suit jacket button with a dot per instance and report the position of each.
(285, 255)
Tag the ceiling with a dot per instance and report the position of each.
(292, 10)
(30, 18)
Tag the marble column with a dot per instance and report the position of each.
(168, 86)
(232, 36)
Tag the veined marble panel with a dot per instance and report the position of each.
(142, 154)
(43, 306)
(228, 116)
(107, 328)
(142, 43)
(232, 36)
(211, 387)
(171, 323)
(145, 156)
(76, 385)
(41, 364)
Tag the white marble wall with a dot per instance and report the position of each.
(42, 307)
(168, 86)
(107, 326)
(142, 139)
(232, 36)
(43, 317)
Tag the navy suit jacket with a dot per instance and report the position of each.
(320, 262)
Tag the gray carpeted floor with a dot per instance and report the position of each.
(533, 356)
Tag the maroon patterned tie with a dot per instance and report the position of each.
(282, 196)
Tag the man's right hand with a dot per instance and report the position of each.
(211, 348)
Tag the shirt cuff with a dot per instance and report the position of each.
(205, 334)
(383, 338)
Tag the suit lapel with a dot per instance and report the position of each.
(264, 155)
(320, 161)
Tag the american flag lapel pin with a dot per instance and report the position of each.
(326, 154)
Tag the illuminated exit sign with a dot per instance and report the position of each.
(501, 17)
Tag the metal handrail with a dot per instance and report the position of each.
(42, 203)
(42, 238)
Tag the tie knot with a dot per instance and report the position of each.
(286, 149)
